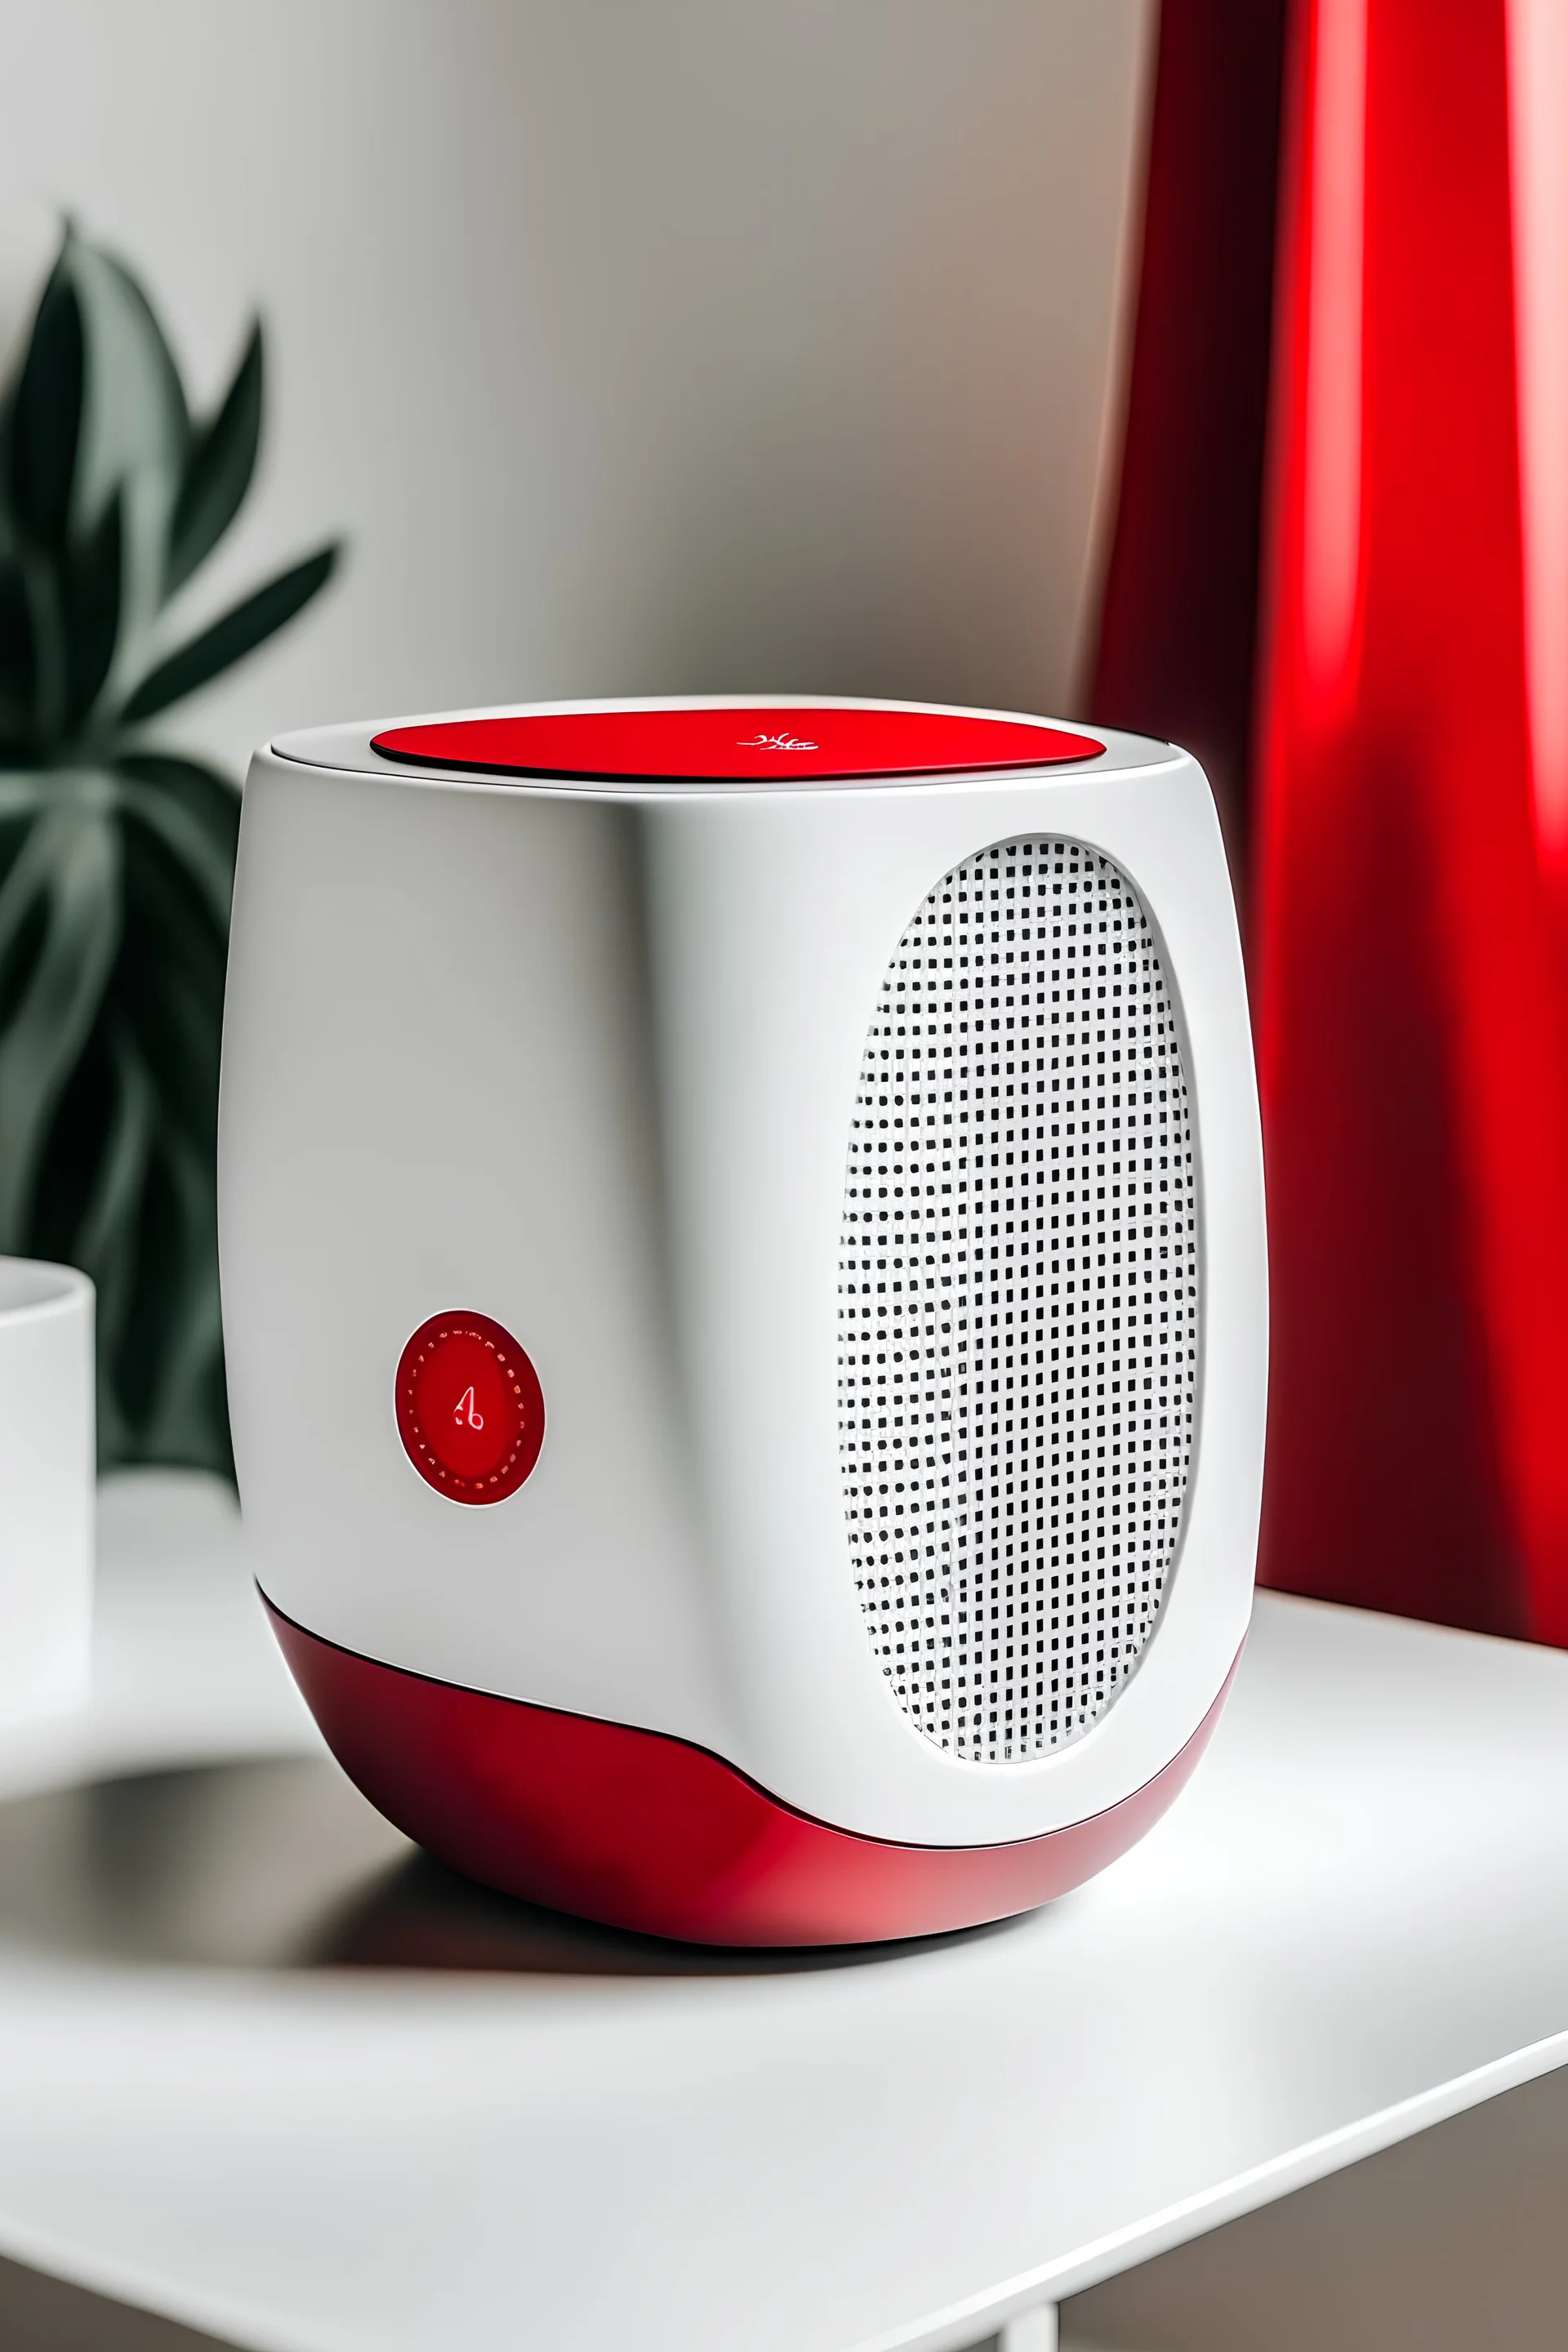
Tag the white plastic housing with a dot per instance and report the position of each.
(582, 1057)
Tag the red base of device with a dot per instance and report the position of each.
(647, 1832)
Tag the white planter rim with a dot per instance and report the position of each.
(35, 1288)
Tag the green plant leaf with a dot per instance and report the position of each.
(170, 1354)
(157, 359)
(244, 626)
(179, 1258)
(91, 583)
(59, 921)
(117, 859)
(196, 814)
(135, 440)
(169, 980)
(23, 793)
(111, 1139)
(45, 420)
(168, 998)
(218, 470)
(19, 662)
(126, 1186)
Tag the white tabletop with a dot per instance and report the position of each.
(263, 2070)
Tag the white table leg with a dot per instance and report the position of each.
(1034, 2330)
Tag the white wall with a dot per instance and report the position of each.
(636, 345)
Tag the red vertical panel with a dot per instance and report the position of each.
(1414, 1046)
(1177, 619)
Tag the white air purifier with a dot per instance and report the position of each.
(743, 1278)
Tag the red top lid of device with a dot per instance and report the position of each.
(741, 746)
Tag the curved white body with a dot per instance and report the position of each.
(582, 1057)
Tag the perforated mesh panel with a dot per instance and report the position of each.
(1019, 1301)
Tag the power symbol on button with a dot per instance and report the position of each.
(471, 1410)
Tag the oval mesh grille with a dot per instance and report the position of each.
(1019, 1301)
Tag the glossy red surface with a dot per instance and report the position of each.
(1178, 622)
(1412, 914)
(745, 746)
(471, 1410)
(645, 1832)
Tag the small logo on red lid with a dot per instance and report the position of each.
(693, 744)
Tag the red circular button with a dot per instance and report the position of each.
(471, 1410)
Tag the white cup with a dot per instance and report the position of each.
(47, 1486)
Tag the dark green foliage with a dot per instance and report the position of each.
(244, 625)
(218, 472)
(116, 858)
(44, 425)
